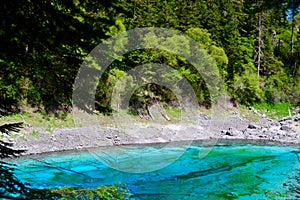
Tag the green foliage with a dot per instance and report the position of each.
(203, 37)
(275, 87)
(275, 110)
(118, 85)
(247, 89)
(173, 112)
(295, 91)
(44, 44)
(113, 192)
(200, 35)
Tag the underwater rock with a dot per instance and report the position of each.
(232, 194)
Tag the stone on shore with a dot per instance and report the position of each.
(252, 126)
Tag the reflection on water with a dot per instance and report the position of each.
(227, 172)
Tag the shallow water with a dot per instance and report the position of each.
(228, 172)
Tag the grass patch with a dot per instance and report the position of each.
(246, 113)
(275, 110)
(41, 120)
(173, 112)
(35, 134)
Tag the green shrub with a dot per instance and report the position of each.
(247, 89)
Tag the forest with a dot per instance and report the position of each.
(254, 43)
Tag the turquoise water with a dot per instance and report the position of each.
(232, 171)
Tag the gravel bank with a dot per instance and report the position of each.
(283, 131)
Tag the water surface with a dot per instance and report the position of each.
(236, 171)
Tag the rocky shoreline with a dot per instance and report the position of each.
(283, 131)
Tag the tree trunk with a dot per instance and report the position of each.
(292, 58)
(159, 108)
(295, 69)
(293, 39)
(163, 112)
(149, 112)
(259, 51)
(292, 44)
